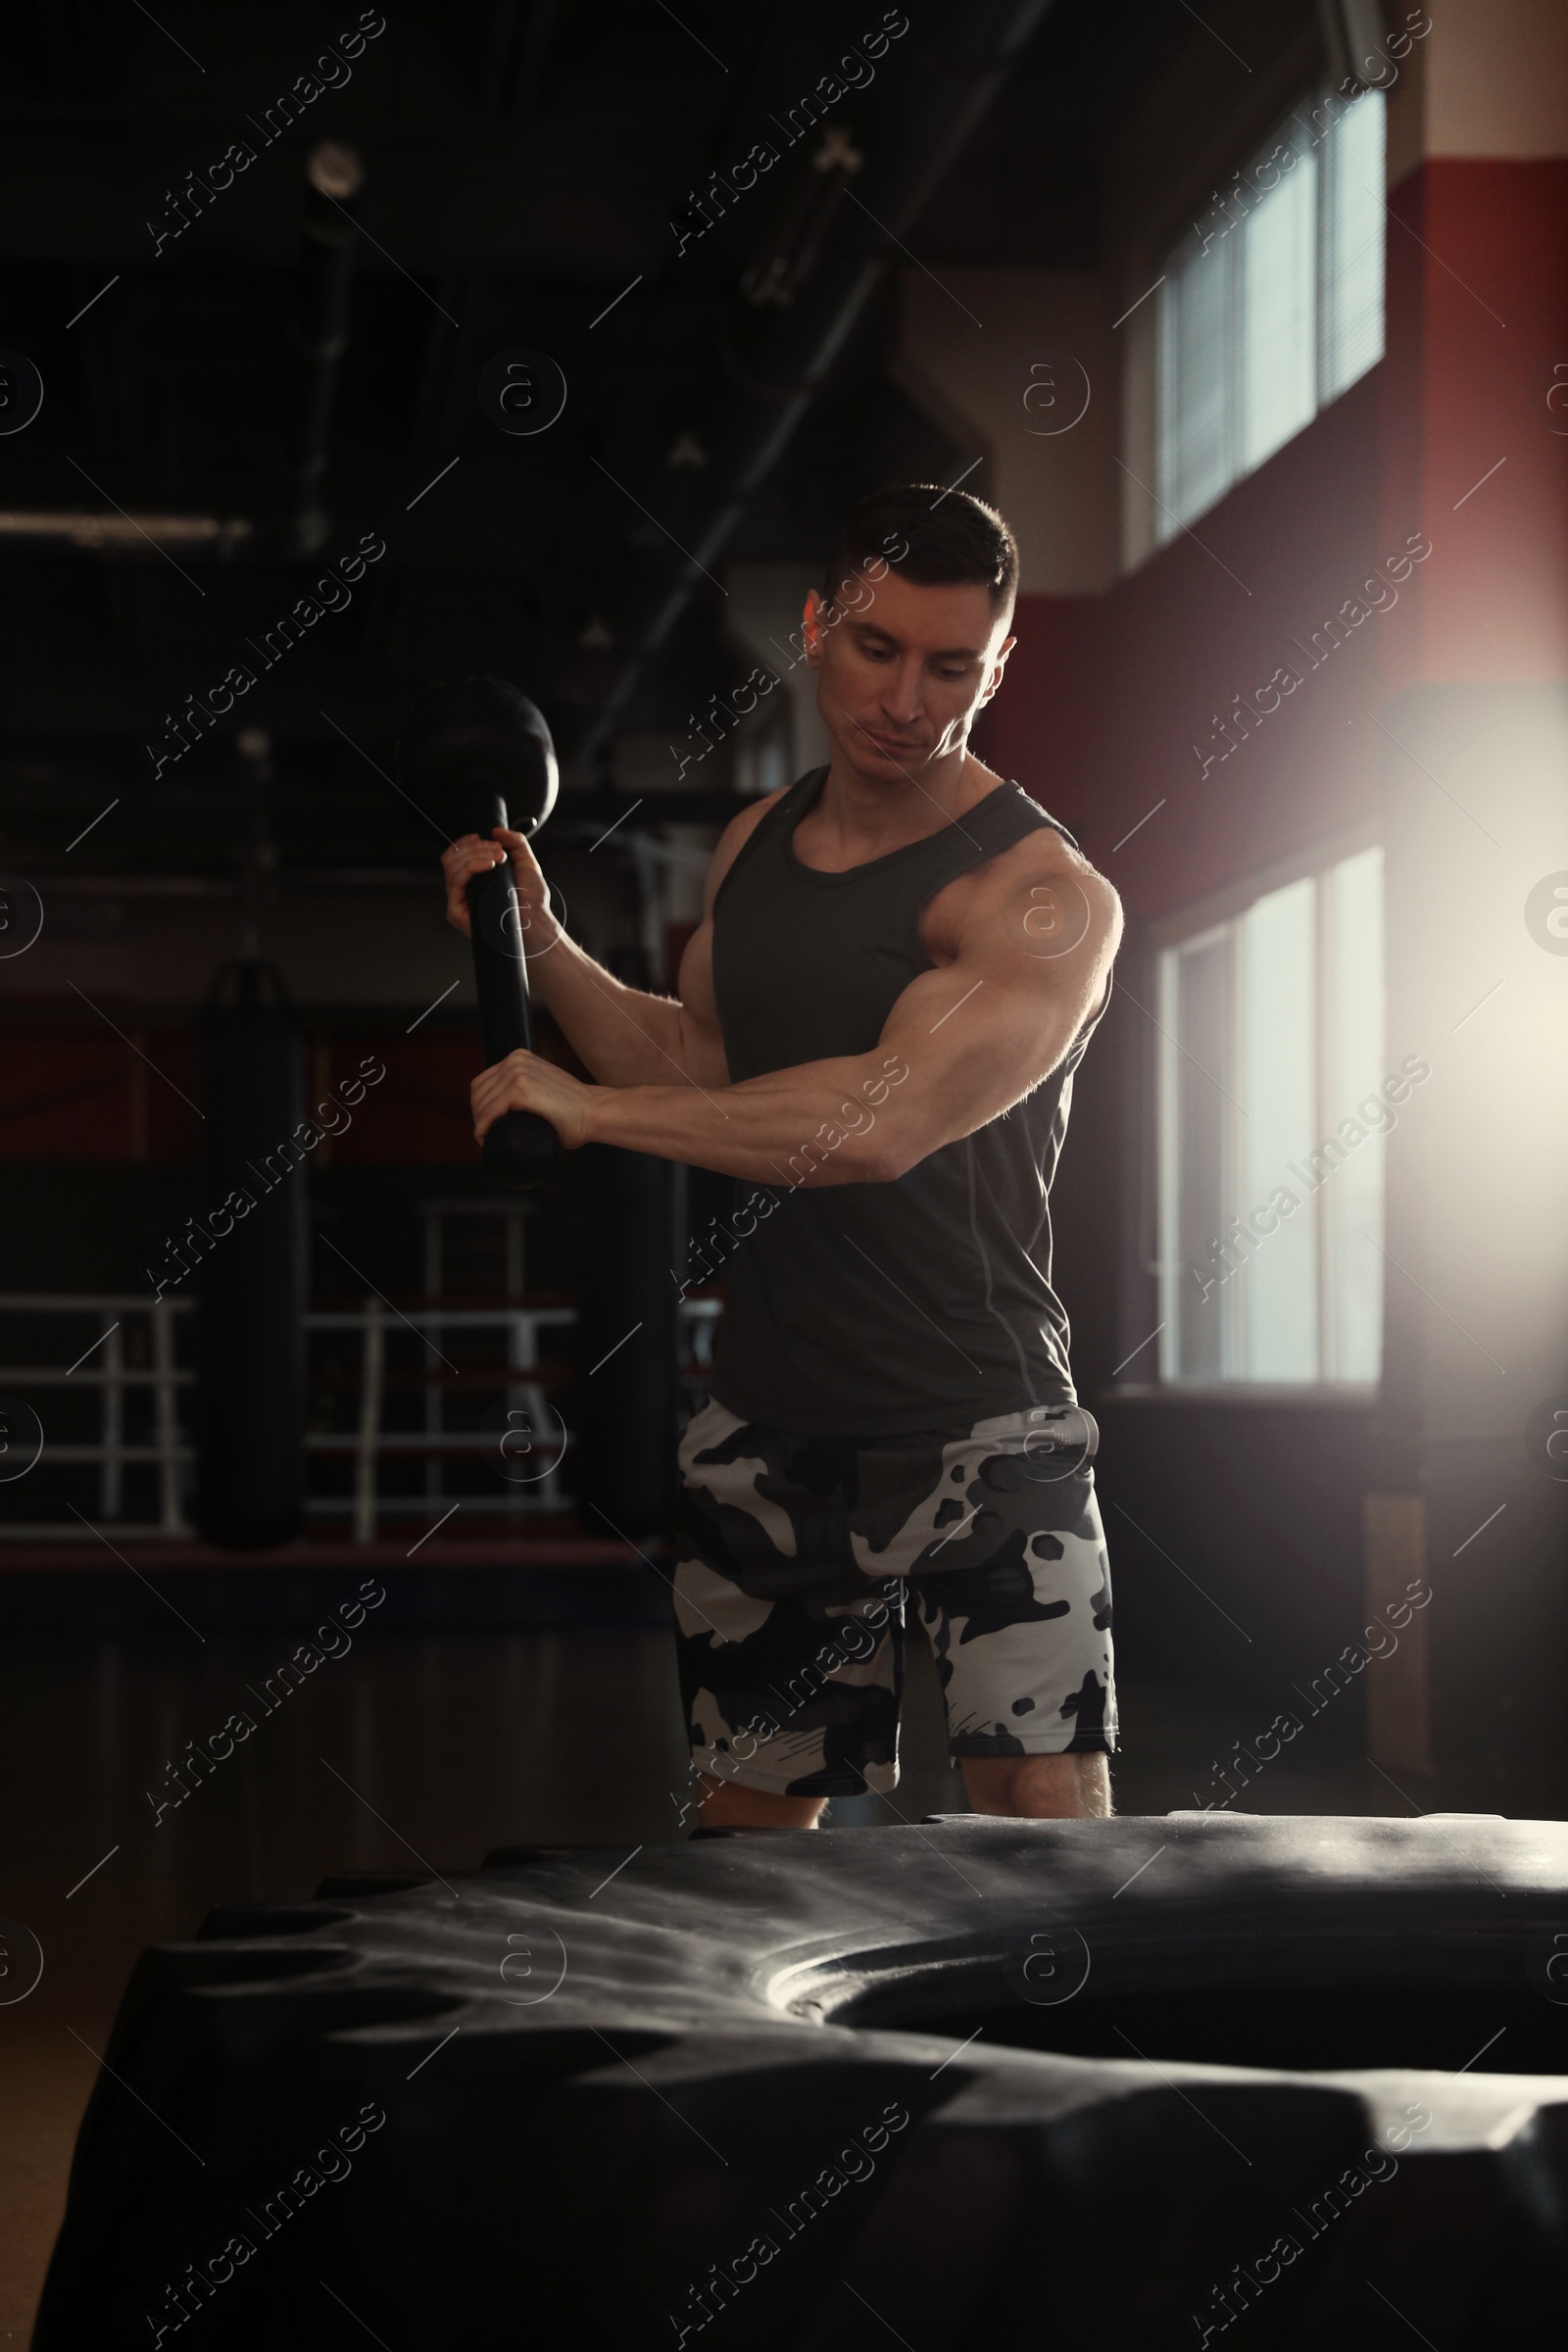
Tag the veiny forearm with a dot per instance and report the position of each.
(625, 1037)
(824, 1122)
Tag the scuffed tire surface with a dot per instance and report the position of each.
(1224, 2072)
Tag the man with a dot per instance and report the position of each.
(899, 961)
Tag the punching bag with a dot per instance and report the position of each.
(253, 1280)
(627, 1386)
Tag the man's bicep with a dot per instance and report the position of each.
(985, 1029)
(979, 1024)
(1056, 934)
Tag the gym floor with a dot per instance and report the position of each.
(413, 1748)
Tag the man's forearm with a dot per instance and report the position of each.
(817, 1123)
(625, 1036)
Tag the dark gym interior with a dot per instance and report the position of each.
(345, 357)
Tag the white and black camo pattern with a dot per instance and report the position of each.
(795, 1557)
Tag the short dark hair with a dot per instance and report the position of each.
(948, 539)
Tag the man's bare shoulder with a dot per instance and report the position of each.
(1046, 855)
(1021, 886)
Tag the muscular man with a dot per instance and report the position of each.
(899, 962)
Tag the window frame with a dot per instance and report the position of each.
(1150, 412)
(1218, 913)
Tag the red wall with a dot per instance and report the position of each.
(65, 1096)
(1478, 318)
(1106, 698)
(70, 1095)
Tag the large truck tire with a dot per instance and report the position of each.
(967, 2084)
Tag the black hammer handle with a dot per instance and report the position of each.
(521, 1148)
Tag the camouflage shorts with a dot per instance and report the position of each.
(794, 1557)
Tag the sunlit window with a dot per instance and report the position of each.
(1272, 305)
(1274, 1102)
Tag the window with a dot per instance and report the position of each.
(1273, 305)
(1272, 1111)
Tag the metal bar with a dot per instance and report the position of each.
(88, 1302)
(55, 1376)
(409, 1510)
(111, 1423)
(522, 1349)
(523, 1342)
(99, 1453)
(413, 1444)
(317, 336)
(60, 1531)
(1325, 1089)
(434, 1284)
(372, 1360)
(129, 534)
(169, 1452)
(434, 1491)
(460, 1318)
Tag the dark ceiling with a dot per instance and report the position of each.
(522, 166)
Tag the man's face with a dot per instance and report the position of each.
(903, 669)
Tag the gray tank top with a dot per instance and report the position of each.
(878, 1309)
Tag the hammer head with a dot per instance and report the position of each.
(478, 754)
